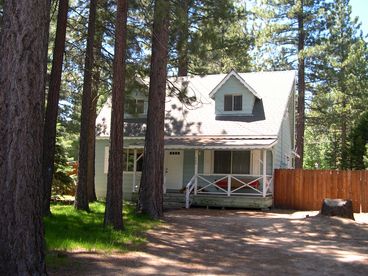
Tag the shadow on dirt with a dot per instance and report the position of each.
(238, 242)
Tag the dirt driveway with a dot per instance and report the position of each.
(238, 242)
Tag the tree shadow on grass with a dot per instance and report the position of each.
(69, 230)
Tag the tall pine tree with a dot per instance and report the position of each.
(81, 197)
(291, 28)
(23, 44)
(341, 83)
(114, 204)
(152, 180)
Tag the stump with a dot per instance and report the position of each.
(337, 207)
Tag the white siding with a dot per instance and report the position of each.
(207, 166)
(256, 166)
(101, 163)
(283, 150)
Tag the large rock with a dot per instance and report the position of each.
(337, 207)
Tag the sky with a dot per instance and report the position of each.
(360, 9)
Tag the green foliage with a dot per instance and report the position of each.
(68, 229)
(277, 32)
(359, 143)
(63, 180)
(365, 157)
(216, 38)
(340, 84)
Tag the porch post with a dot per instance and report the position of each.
(264, 188)
(134, 169)
(195, 171)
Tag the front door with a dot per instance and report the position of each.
(174, 169)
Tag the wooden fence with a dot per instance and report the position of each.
(305, 189)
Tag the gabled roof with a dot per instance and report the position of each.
(241, 80)
(199, 120)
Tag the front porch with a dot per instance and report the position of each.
(208, 188)
(241, 190)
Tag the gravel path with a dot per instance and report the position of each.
(238, 242)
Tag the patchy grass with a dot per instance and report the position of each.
(71, 230)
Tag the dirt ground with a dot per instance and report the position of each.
(238, 242)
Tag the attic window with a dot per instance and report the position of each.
(233, 102)
(135, 106)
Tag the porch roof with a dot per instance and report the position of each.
(213, 143)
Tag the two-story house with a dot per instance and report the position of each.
(221, 149)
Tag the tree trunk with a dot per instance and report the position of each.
(300, 124)
(183, 36)
(81, 197)
(151, 188)
(114, 195)
(49, 134)
(91, 192)
(94, 98)
(23, 44)
(337, 207)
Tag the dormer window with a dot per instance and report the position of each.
(135, 106)
(233, 102)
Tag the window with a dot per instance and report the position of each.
(128, 160)
(233, 102)
(238, 103)
(128, 165)
(232, 162)
(135, 106)
(139, 106)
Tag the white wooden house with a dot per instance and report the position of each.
(219, 151)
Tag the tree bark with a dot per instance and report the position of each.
(49, 135)
(114, 195)
(91, 192)
(81, 198)
(100, 22)
(300, 124)
(23, 44)
(151, 188)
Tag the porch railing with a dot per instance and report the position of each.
(229, 184)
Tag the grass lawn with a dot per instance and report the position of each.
(70, 230)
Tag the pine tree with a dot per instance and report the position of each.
(23, 44)
(151, 188)
(291, 28)
(114, 204)
(81, 197)
(341, 90)
(49, 136)
(96, 82)
(209, 36)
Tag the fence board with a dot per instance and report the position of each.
(364, 191)
(305, 189)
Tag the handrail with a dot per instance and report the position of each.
(237, 177)
(188, 189)
(268, 185)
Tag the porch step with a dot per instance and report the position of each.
(171, 200)
(174, 200)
